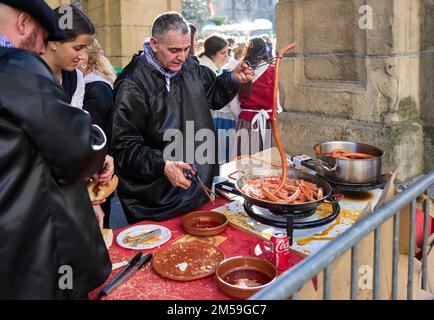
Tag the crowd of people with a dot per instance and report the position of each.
(250, 110)
(66, 121)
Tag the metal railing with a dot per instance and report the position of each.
(287, 285)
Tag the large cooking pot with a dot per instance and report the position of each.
(355, 171)
(286, 207)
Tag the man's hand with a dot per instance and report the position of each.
(106, 174)
(242, 73)
(173, 172)
(99, 216)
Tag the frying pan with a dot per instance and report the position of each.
(286, 207)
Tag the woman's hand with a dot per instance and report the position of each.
(99, 215)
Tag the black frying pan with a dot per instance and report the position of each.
(283, 207)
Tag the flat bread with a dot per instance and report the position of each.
(187, 260)
(107, 235)
(98, 192)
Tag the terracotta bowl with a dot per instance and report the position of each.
(241, 277)
(204, 223)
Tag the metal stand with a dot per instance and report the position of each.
(290, 228)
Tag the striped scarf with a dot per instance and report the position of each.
(5, 43)
(150, 58)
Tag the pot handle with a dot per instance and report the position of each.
(231, 176)
(310, 164)
(324, 165)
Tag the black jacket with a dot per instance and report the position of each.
(98, 101)
(144, 112)
(69, 83)
(47, 224)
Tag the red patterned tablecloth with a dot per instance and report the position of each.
(147, 285)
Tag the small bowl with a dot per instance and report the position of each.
(241, 277)
(204, 223)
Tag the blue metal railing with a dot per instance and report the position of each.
(289, 282)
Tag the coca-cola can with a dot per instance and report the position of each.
(280, 251)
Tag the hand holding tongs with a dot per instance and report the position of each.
(261, 63)
(134, 265)
(194, 177)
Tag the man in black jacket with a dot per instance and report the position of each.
(50, 243)
(162, 121)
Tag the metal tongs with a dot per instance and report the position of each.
(146, 236)
(194, 177)
(134, 265)
(260, 64)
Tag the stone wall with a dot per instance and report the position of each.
(427, 78)
(56, 3)
(123, 25)
(370, 86)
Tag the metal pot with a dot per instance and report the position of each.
(356, 171)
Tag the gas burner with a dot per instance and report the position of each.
(296, 214)
(290, 220)
(355, 187)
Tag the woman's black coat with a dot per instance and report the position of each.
(98, 101)
(47, 226)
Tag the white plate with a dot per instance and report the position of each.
(136, 230)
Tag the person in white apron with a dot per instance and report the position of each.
(255, 102)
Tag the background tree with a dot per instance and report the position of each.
(241, 10)
(195, 11)
(219, 20)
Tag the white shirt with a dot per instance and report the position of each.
(93, 76)
(207, 62)
(78, 96)
(225, 112)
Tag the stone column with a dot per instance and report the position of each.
(427, 79)
(56, 3)
(345, 82)
(123, 25)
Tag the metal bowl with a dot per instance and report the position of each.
(354, 171)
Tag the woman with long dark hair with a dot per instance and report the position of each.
(256, 100)
(215, 56)
(63, 58)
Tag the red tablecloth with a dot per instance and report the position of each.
(147, 285)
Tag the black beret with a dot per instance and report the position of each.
(42, 13)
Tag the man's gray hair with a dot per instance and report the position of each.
(169, 21)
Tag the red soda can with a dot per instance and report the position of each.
(280, 251)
